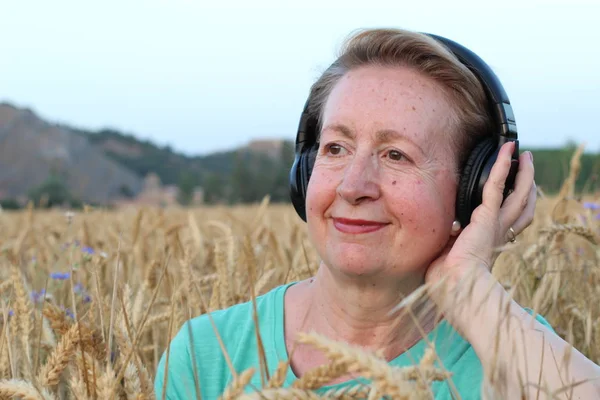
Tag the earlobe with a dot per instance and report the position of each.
(455, 227)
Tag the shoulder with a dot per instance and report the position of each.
(199, 355)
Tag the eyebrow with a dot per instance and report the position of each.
(343, 129)
(383, 135)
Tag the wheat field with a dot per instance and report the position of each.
(90, 300)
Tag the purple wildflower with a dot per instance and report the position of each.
(78, 288)
(11, 313)
(87, 250)
(591, 206)
(37, 297)
(68, 312)
(61, 276)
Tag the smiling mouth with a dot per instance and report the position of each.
(357, 226)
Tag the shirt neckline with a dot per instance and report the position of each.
(408, 357)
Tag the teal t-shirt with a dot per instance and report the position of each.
(196, 344)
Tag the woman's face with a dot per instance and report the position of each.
(381, 195)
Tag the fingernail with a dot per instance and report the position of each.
(530, 156)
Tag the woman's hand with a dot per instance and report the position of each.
(503, 334)
(491, 221)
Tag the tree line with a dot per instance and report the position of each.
(244, 176)
(253, 177)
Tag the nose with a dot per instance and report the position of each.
(360, 181)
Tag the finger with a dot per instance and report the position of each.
(517, 201)
(493, 189)
(526, 217)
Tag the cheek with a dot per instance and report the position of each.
(321, 192)
(422, 206)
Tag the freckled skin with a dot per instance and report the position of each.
(415, 194)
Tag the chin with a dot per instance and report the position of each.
(357, 260)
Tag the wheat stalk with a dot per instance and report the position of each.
(552, 268)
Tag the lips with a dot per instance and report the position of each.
(357, 226)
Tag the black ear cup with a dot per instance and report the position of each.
(296, 190)
(472, 179)
(475, 174)
(299, 178)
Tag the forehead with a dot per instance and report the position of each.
(375, 98)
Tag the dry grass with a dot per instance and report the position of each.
(109, 314)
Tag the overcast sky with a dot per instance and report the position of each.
(202, 77)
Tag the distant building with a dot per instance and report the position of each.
(154, 194)
(271, 148)
(198, 196)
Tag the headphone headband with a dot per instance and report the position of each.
(480, 161)
(497, 97)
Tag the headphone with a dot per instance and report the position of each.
(475, 171)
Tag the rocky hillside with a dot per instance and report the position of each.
(31, 150)
(144, 157)
(105, 166)
(102, 167)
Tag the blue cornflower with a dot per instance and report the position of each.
(61, 276)
(591, 206)
(80, 290)
(67, 311)
(37, 297)
(87, 250)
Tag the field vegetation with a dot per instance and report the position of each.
(89, 300)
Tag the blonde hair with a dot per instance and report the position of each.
(403, 48)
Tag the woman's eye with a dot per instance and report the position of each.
(395, 155)
(334, 149)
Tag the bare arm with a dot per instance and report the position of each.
(521, 357)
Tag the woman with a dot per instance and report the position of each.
(397, 117)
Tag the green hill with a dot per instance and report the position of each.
(116, 164)
(241, 175)
(226, 175)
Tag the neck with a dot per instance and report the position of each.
(358, 311)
